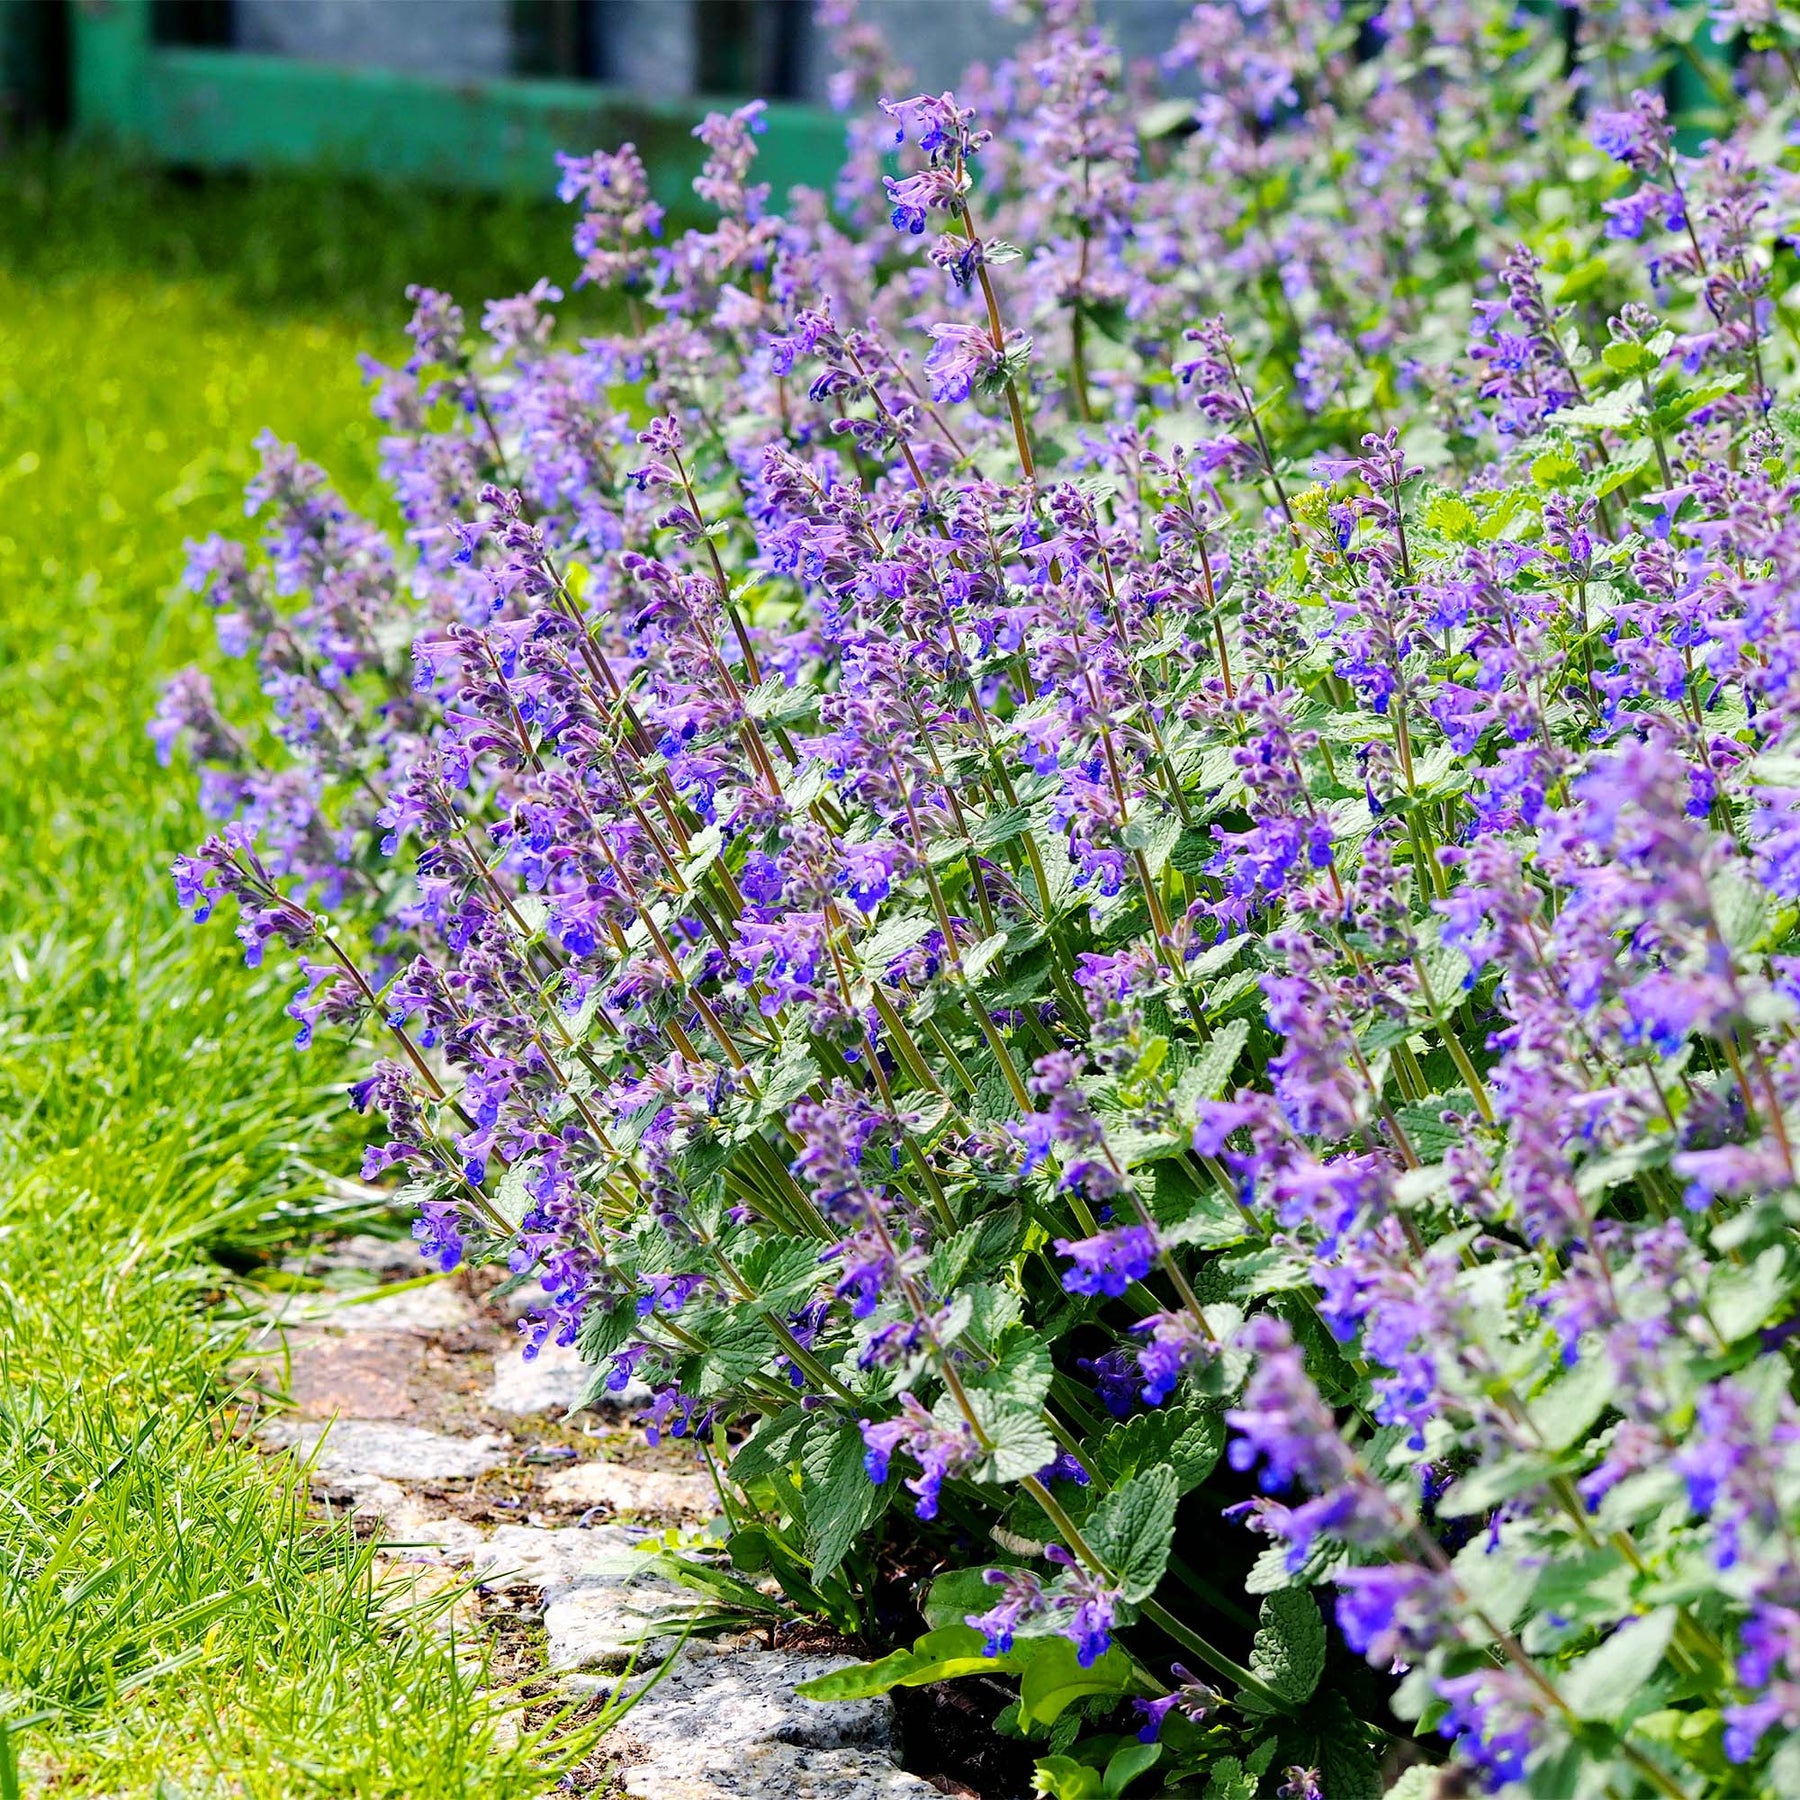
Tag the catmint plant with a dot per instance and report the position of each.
(1095, 844)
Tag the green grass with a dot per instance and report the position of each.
(171, 1622)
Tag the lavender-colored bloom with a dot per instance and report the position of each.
(1109, 1262)
(1173, 1345)
(1022, 1597)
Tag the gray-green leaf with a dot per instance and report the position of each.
(1289, 1651)
(1132, 1529)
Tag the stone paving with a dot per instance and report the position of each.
(415, 1411)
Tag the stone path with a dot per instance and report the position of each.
(417, 1415)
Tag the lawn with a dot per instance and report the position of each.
(170, 1620)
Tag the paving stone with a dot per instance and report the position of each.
(604, 1625)
(560, 1559)
(731, 1724)
(430, 1311)
(773, 1772)
(553, 1381)
(656, 1493)
(364, 1496)
(366, 1376)
(379, 1258)
(354, 1447)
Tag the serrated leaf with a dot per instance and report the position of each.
(603, 1331)
(1187, 1214)
(1023, 1374)
(1485, 1487)
(977, 961)
(1269, 1572)
(1132, 1529)
(1567, 1409)
(1420, 1782)
(1193, 851)
(1230, 1780)
(1188, 1443)
(1619, 407)
(794, 1071)
(1288, 1654)
(983, 1247)
(841, 1500)
(1022, 1443)
(703, 851)
(783, 1271)
(1741, 906)
(1348, 1765)
(1602, 1684)
(996, 1310)
(891, 939)
(1206, 1076)
(1000, 827)
(774, 1444)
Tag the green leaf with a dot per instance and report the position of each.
(1741, 906)
(602, 1332)
(1022, 1374)
(988, 1244)
(1289, 1651)
(977, 961)
(1022, 1442)
(1784, 1771)
(1348, 1766)
(1270, 1573)
(776, 701)
(1420, 1782)
(891, 939)
(1206, 1076)
(1739, 1301)
(1230, 1781)
(1187, 1442)
(1627, 358)
(940, 1655)
(1063, 1778)
(1189, 1214)
(1054, 1679)
(1567, 1409)
(955, 1594)
(1602, 1684)
(1486, 1486)
(1193, 851)
(1618, 408)
(1132, 1529)
(794, 1071)
(773, 1445)
(1127, 1763)
(784, 1271)
(1000, 827)
(862, 1681)
(841, 1500)
(1687, 400)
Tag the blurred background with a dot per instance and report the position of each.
(473, 92)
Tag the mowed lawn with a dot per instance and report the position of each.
(171, 1622)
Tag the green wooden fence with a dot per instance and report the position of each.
(228, 109)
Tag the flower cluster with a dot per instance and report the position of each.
(1102, 838)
